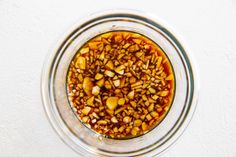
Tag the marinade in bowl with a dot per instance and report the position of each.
(120, 83)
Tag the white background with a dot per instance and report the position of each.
(29, 29)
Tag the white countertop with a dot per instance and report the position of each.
(29, 29)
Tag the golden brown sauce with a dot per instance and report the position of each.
(120, 84)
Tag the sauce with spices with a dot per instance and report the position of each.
(120, 84)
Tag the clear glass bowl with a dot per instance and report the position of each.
(83, 140)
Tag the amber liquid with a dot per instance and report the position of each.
(78, 100)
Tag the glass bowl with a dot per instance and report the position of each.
(82, 139)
